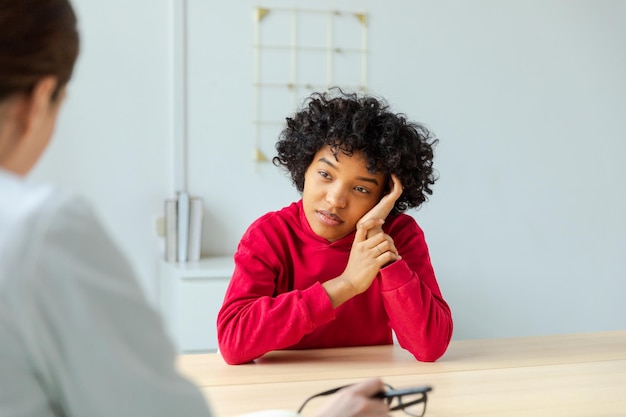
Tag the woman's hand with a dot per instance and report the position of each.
(385, 205)
(367, 256)
(371, 250)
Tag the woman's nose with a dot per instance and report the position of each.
(336, 196)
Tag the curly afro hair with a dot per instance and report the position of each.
(348, 124)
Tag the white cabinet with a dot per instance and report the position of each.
(190, 296)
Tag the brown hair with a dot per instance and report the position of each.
(38, 38)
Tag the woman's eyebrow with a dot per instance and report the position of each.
(327, 162)
(366, 179)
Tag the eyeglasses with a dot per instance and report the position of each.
(412, 401)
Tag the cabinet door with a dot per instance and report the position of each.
(199, 302)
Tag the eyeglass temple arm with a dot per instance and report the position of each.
(320, 394)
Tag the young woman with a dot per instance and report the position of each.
(343, 266)
(77, 336)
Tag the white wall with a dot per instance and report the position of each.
(528, 98)
(526, 226)
(113, 140)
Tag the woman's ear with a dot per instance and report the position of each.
(40, 104)
(32, 119)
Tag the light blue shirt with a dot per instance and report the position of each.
(77, 335)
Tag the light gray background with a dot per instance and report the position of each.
(526, 226)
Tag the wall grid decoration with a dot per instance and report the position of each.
(298, 52)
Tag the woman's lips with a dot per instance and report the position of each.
(328, 218)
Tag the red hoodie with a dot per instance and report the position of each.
(275, 299)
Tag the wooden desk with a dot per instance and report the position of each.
(562, 375)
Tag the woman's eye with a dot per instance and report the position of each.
(361, 190)
(324, 174)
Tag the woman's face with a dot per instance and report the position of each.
(338, 192)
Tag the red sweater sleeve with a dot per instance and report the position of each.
(256, 317)
(418, 314)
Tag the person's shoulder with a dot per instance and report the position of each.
(286, 215)
(49, 209)
(45, 211)
(274, 222)
(401, 218)
(22, 199)
(37, 215)
(402, 222)
(64, 234)
(36, 221)
(26, 206)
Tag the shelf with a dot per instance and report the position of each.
(191, 295)
(217, 267)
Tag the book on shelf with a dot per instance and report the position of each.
(183, 225)
(171, 237)
(183, 228)
(194, 243)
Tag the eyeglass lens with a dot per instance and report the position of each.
(413, 404)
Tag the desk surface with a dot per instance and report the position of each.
(568, 375)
